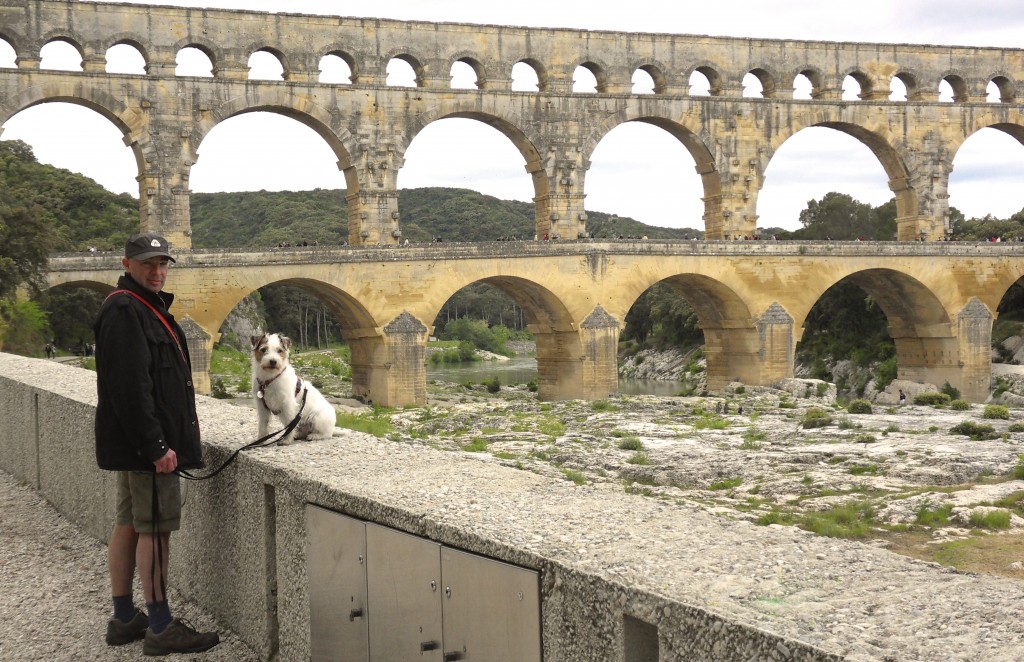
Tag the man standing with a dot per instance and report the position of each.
(146, 428)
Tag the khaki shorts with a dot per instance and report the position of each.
(135, 501)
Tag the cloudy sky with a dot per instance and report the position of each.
(638, 170)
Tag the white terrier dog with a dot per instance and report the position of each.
(278, 390)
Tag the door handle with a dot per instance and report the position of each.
(452, 656)
(355, 613)
(429, 646)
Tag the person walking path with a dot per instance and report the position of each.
(53, 588)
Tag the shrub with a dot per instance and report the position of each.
(740, 390)
(950, 390)
(885, 373)
(976, 431)
(938, 517)
(822, 389)
(932, 399)
(726, 484)
(959, 405)
(1016, 427)
(640, 458)
(859, 407)
(493, 384)
(631, 444)
(815, 418)
(992, 519)
(996, 411)
(575, 476)
(1018, 471)
(852, 520)
(532, 385)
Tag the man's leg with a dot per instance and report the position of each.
(128, 623)
(146, 559)
(121, 559)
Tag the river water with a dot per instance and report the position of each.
(522, 370)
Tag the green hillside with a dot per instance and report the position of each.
(262, 219)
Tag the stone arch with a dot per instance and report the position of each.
(956, 80)
(277, 53)
(349, 311)
(100, 286)
(538, 68)
(208, 48)
(61, 37)
(344, 56)
(912, 82)
(815, 75)
(688, 134)
(922, 329)
(67, 36)
(596, 67)
(656, 70)
(15, 39)
(415, 62)
(525, 139)
(129, 121)
(559, 348)
(882, 146)
(129, 39)
(725, 318)
(467, 57)
(281, 102)
(767, 80)
(1006, 85)
(710, 71)
(908, 304)
(867, 85)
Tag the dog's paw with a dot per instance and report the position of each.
(287, 441)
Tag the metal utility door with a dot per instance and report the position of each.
(404, 592)
(336, 555)
(491, 610)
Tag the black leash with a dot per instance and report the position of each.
(265, 440)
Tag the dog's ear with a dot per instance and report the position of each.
(286, 342)
(256, 340)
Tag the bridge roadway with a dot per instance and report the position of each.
(751, 298)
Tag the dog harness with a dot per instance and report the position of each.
(264, 385)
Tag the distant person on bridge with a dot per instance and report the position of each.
(146, 428)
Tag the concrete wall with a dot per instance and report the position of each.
(242, 550)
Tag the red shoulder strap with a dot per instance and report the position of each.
(159, 316)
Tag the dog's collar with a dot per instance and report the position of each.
(263, 385)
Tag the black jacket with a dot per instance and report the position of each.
(146, 397)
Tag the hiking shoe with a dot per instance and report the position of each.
(120, 633)
(178, 637)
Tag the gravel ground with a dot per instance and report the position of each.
(55, 593)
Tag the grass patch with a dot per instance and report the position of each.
(851, 520)
(640, 458)
(726, 484)
(927, 516)
(575, 476)
(377, 422)
(551, 427)
(710, 422)
(631, 443)
(992, 519)
(476, 445)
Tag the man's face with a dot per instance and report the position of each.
(150, 273)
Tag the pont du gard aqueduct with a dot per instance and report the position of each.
(752, 297)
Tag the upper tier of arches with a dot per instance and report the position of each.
(366, 47)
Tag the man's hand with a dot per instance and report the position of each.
(168, 463)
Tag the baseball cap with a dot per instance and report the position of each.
(146, 245)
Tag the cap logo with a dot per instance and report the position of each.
(155, 243)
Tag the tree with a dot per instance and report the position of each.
(25, 243)
(839, 216)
